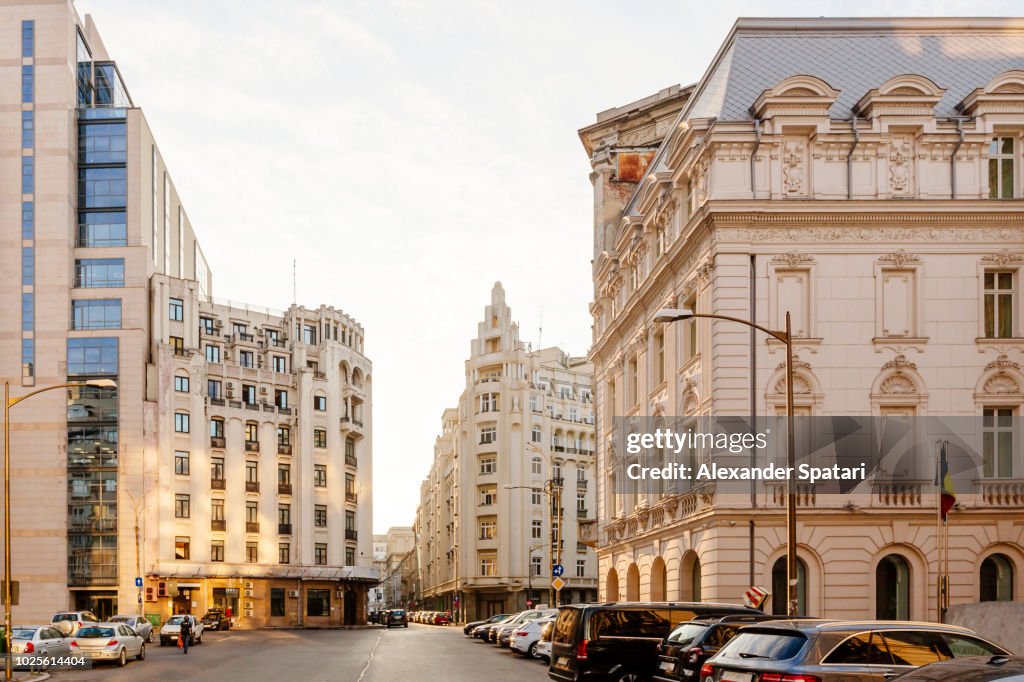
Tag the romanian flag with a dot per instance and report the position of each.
(948, 497)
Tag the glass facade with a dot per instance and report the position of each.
(99, 272)
(102, 143)
(107, 228)
(28, 188)
(100, 313)
(92, 415)
(102, 187)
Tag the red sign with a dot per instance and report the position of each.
(755, 597)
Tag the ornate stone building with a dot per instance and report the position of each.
(865, 176)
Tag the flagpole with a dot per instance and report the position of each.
(938, 534)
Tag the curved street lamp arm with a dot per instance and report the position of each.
(781, 336)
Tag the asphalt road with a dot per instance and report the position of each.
(421, 653)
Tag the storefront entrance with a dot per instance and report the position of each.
(103, 604)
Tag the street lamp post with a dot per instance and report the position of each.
(786, 337)
(10, 402)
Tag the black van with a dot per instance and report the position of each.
(618, 641)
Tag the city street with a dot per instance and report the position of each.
(421, 652)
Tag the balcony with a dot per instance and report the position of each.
(242, 336)
(252, 406)
(217, 442)
(581, 513)
(350, 460)
(558, 482)
(358, 422)
(351, 497)
(284, 529)
(284, 410)
(219, 402)
(558, 448)
(218, 525)
(252, 446)
(284, 448)
(252, 526)
(351, 534)
(581, 483)
(216, 484)
(252, 486)
(284, 488)
(319, 375)
(278, 343)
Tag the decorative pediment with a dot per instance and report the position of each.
(793, 259)
(1002, 258)
(1003, 94)
(800, 95)
(908, 94)
(899, 258)
(1001, 377)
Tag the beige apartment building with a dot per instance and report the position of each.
(511, 478)
(114, 486)
(864, 175)
(398, 564)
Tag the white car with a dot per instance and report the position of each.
(543, 649)
(108, 642)
(172, 628)
(40, 640)
(143, 628)
(69, 622)
(526, 636)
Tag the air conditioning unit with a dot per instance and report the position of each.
(248, 593)
(150, 596)
(263, 389)
(248, 585)
(161, 589)
(218, 324)
(259, 331)
(231, 385)
(248, 605)
(248, 613)
(230, 393)
(294, 594)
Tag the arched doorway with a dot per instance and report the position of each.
(780, 593)
(633, 583)
(892, 588)
(658, 580)
(689, 578)
(996, 578)
(611, 585)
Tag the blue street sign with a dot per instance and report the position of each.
(557, 570)
(138, 582)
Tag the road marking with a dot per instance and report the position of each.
(362, 675)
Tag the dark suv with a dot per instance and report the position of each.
(618, 642)
(396, 618)
(686, 648)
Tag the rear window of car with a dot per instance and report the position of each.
(64, 616)
(630, 623)
(916, 648)
(962, 645)
(174, 620)
(867, 648)
(564, 631)
(687, 633)
(23, 633)
(91, 632)
(772, 646)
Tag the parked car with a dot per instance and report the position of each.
(108, 642)
(75, 620)
(484, 631)
(526, 636)
(980, 669)
(143, 628)
(41, 640)
(503, 635)
(469, 627)
(172, 629)
(619, 642)
(442, 618)
(683, 652)
(216, 620)
(830, 651)
(544, 643)
(396, 618)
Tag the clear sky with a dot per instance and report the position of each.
(408, 154)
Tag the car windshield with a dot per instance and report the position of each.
(65, 616)
(175, 620)
(95, 633)
(499, 617)
(773, 646)
(23, 633)
(122, 619)
(687, 633)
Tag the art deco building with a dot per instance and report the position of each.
(866, 177)
(488, 526)
(185, 474)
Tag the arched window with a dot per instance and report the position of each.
(892, 588)
(996, 578)
(658, 580)
(780, 593)
(611, 586)
(633, 583)
(689, 578)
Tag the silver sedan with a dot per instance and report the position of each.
(39, 640)
(108, 642)
(143, 628)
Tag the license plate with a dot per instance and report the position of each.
(730, 676)
(562, 662)
(667, 666)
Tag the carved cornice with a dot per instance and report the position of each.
(793, 259)
(899, 258)
(798, 365)
(899, 362)
(1003, 258)
(1002, 363)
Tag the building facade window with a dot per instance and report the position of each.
(216, 428)
(318, 602)
(177, 344)
(252, 513)
(246, 358)
(248, 394)
(320, 554)
(999, 299)
(182, 548)
(1001, 161)
(252, 475)
(277, 600)
(320, 516)
(284, 556)
(181, 422)
(535, 497)
(537, 565)
(488, 565)
(489, 402)
(97, 273)
(217, 550)
(214, 388)
(537, 466)
(581, 568)
(97, 313)
(350, 556)
(281, 398)
(996, 578)
(284, 435)
(536, 530)
(182, 506)
(252, 432)
(779, 605)
(252, 552)
(320, 403)
(217, 468)
(213, 353)
(488, 434)
(181, 384)
(206, 325)
(892, 588)
(488, 529)
(488, 465)
(319, 438)
(217, 508)
(319, 475)
(488, 496)
(997, 442)
(181, 463)
(175, 309)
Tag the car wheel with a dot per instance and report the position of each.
(630, 676)
(532, 651)
(122, 659)
(142, 653)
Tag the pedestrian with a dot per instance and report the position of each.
(185, 634)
